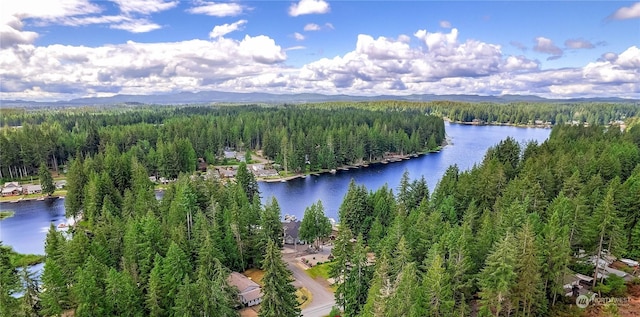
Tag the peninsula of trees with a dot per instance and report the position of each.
(169, 141)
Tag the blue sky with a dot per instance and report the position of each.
(63, 49)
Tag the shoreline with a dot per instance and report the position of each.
(515, 125)
(22, 198)
(365, 164)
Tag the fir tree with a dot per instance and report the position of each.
(270, 223)
(555, 254)
(380, 290)
(529, 288)
(76, 180)
(175, 266)
(404, 300)
(356, 283)
(606, 229)
(279, 299)
(155, 295)
(247, 181)
(315, 225)
(186, 302)
(214, 294)
(31, 294)
(122, 294)
(46, 181)
(9, 284)
(89, 289)
(437, 286)
(498, 278)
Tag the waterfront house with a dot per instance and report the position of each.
(11, 189)
(249, 292)
(291, 230)
(32, 189)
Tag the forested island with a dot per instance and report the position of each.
(497, 240)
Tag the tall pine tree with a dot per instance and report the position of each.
(279, 298)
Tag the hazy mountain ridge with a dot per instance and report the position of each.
(234, 97)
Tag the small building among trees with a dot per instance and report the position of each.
(249, 292)
(291, 232)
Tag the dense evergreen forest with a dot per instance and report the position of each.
(517, 113)
(499, 238)
(168, 141)
(132, 255)
(326, 135)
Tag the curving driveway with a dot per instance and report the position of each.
(323, 300)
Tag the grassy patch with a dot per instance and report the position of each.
(320, 270)
(6, 214)
(304, 297)
(255, 274)
(20, 260)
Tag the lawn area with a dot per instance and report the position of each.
(304, 297)
(57, 193)
(254, 274)
(320, 270)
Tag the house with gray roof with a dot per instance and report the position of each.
(249, 292)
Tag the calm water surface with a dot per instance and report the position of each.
(468, 147)
(26, 231)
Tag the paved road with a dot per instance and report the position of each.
(323, 299)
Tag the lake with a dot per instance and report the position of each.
(27, 229)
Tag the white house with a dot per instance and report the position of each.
(33, 189)
(250, 293)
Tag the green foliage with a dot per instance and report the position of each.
(6, 214)
(506, 228)
(247, 181)
(335, 312)
(315, 225)
(9, 283)
(355, 211)
(48, 187)
(353, 290)
(498, 278)
(279, 299)
(270, 223)
(170, 140)
(613, 286)
(437, 287)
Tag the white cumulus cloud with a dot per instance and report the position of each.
(298, 36)
(308, 7)
(222, 30)
(625, 13)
